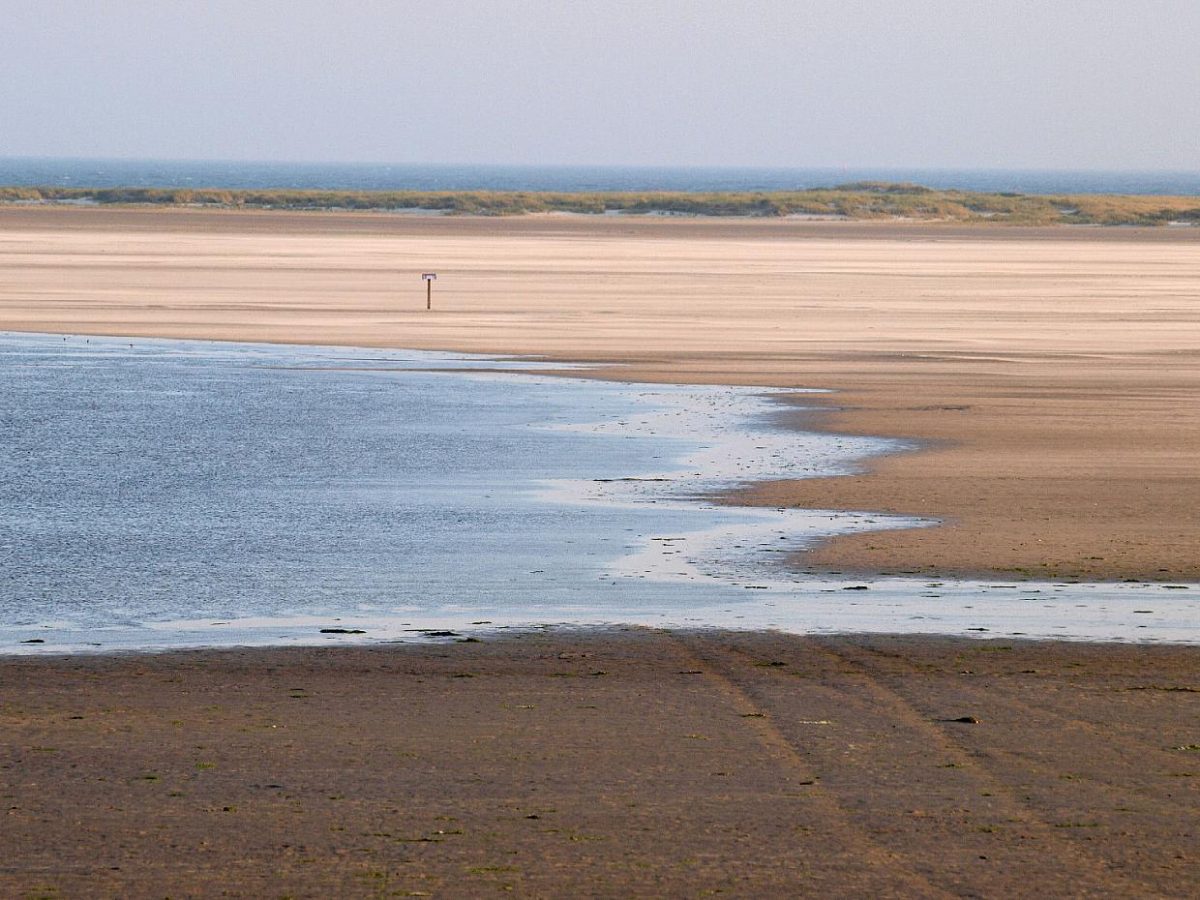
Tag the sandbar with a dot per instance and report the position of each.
(1050, 374)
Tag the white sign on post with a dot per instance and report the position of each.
(429, 278)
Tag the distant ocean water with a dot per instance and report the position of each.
(100, 173)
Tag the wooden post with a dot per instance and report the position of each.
(429, 278)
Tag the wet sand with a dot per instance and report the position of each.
(1051, 373)
(606, 764)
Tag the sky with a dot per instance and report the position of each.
(1011, 84)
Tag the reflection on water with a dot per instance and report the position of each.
(151, 490)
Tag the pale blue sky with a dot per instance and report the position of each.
(1106, 84)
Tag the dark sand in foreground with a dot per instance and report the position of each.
(606, 764)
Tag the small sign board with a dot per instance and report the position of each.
(429, 276)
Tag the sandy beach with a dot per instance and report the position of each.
(1050, 377)
(1051, 374)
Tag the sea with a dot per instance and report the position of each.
(102, 173)
(159, 494)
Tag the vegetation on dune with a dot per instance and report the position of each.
(859, 200)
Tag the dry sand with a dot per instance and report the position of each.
(1053, 373)
(606, 764)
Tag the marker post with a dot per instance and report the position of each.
(429, 278)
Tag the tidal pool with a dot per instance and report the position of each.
(158, 494)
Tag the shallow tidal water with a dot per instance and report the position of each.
(160, 494)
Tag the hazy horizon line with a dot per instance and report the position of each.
(809, 167)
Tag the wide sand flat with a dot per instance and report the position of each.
(1054, 373)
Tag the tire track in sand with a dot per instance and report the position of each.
(892, 873)
(944, 824)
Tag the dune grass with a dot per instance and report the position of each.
(860, 200)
